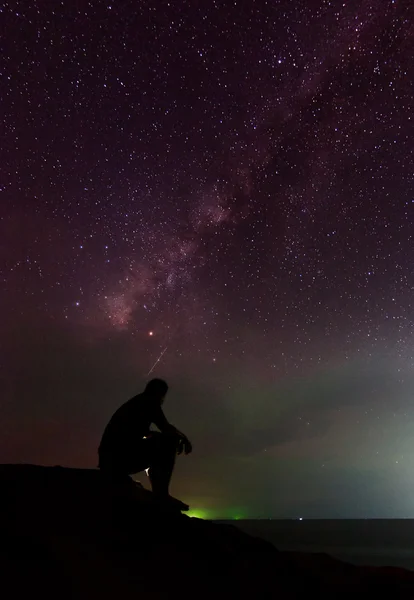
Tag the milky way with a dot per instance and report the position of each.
(220, 194)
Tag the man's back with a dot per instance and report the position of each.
(130, 423)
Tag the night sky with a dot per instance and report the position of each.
(227, 188)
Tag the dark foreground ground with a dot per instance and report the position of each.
(374, 542)
(68, 533)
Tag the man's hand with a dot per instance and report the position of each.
(184, 444)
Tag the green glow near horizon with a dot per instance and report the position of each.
(229, 514)
(198, 513)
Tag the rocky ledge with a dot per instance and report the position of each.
(70, 533)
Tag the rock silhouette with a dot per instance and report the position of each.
(71, 533)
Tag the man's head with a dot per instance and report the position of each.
(156, 389)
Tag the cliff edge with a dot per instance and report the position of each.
(70, 533)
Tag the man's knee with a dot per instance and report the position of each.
(168, 442)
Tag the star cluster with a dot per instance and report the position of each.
(221, 194)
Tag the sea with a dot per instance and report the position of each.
(374, 542)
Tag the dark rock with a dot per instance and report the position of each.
(72, 533)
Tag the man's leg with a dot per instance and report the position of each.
(161, 452)
(119, 465)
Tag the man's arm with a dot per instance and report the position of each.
(160, 420)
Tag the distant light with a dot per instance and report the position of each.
(300, 518)
(150, 333)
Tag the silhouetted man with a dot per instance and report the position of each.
(128, 445)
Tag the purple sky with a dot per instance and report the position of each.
(228, 185)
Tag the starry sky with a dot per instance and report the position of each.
(221, 194)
